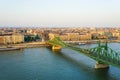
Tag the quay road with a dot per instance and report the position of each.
(90, 41)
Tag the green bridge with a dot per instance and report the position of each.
(104, 55)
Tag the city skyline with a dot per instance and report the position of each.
(63, 13)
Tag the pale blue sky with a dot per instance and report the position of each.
(60, 13)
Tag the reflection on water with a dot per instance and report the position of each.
(103, 74)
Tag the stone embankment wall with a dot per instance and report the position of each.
(25, 45)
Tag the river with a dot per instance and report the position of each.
(44, 64)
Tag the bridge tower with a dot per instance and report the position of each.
(99, 64)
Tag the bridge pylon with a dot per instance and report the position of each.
(100, 64)
(56, 48)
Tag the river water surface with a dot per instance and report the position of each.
(43, 64)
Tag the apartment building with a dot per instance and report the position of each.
(85, 36)
(11, 38)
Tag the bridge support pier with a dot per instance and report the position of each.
(100, 65)
(56, 48)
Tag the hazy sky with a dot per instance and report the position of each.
(60, 13)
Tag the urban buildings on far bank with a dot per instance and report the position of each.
(77, 34)
(20, 35)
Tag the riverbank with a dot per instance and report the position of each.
(43, 44)
(25, 45)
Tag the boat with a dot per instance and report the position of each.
(9, 49)
(82, 44)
